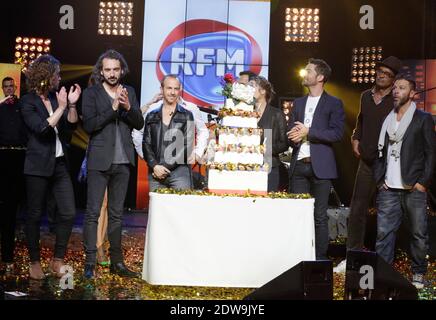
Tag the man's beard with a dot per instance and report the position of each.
(401, 102)
(171, 99)
(308, 83)
(113, 82)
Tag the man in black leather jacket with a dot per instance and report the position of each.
(168, 140)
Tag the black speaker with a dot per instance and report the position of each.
(384, 282)
(308, 280)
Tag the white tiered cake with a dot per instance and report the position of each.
(236, 160)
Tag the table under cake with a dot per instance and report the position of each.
(224, 241)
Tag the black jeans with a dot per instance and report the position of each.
(37, 190)
(116, 179)
(363, 195)
(11, 195)
(274, 180)
(304, 181)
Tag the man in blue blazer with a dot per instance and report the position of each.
(317, 122)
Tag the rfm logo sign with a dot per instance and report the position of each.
(201, 51)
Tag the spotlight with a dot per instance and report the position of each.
(304, 26)
(110, 14)
(302, 73)
(28, 49)
(363, 62)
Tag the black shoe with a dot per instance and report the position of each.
(121, 270)
(88, 273)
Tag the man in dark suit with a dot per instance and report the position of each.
(110, 112)
(13, 142)
(318, 121)
(403, 172)
(50, 118)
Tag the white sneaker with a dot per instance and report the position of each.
(341, 267)
(418, 280)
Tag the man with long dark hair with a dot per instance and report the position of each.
(50, 117)
(110, 112)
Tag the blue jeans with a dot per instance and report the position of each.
(180, 178)
(392, 204)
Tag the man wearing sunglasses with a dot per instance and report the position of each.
(375, 104)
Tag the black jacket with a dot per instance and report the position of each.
(152, 141)
(99, 121)
(41, 146)
(273, 118)
(417, 152)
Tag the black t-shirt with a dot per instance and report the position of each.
(369, 123)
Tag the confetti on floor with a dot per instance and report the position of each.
(111, 287)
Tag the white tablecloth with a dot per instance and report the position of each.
(225, 241)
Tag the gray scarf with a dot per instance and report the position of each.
(395, 137)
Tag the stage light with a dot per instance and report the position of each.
(302, 73)
(115, 18)
(363, 62)
(28, 49)
(301, 25)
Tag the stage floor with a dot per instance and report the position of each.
(110, 287)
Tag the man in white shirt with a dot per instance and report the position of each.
(318, 122)
(403, 172)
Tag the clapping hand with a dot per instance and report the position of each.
(62, 97)
(74, 94)
(298, 132)
(124, 99)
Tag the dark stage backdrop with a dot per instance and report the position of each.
(404, 28)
